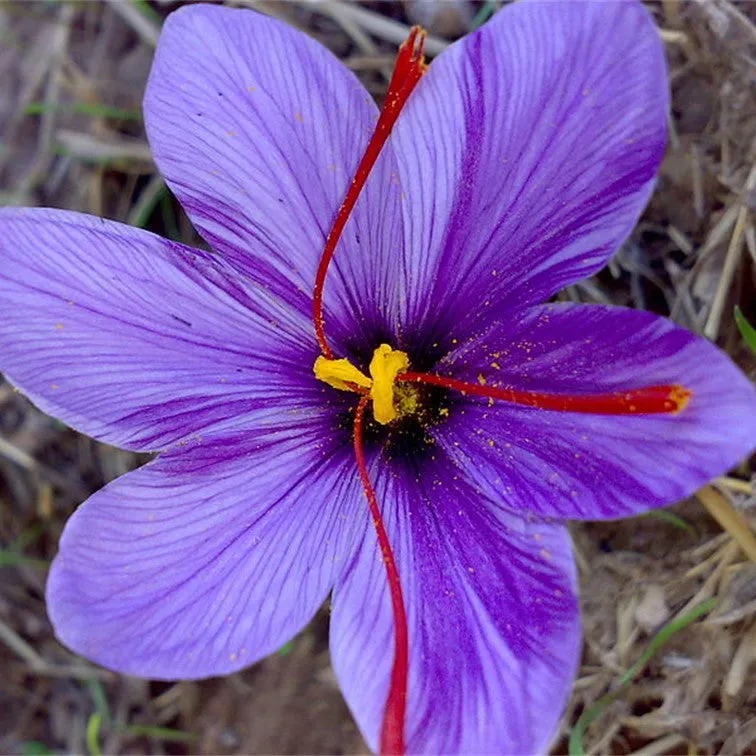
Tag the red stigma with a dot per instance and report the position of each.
(395, 711)
(409, 68)
(650, 400)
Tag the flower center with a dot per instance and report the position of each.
(389, 401)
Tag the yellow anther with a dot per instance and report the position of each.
(386, 364)
(340, 374)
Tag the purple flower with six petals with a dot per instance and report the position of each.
(518, 165)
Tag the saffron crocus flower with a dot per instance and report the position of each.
(474, 417)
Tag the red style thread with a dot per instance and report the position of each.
(395, 711)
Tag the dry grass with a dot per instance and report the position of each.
(692, 257)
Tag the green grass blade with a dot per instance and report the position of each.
(99, 699)
(9, 558)
(93, 735)
(671, 519)
(13, 556)
(148, 11)
(483, 15)
(747, 331)
(83, 108)
(592, 713)
(170, 222)
(149, 199)
(161, 733)
(34, 748)
(27, 537)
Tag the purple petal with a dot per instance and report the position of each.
(136, 340)
(493, 620)
(525, 157)
(258, 130)
(582, 466)
(209, 557)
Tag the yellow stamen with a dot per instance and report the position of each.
(340, 374)
(386, 364)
